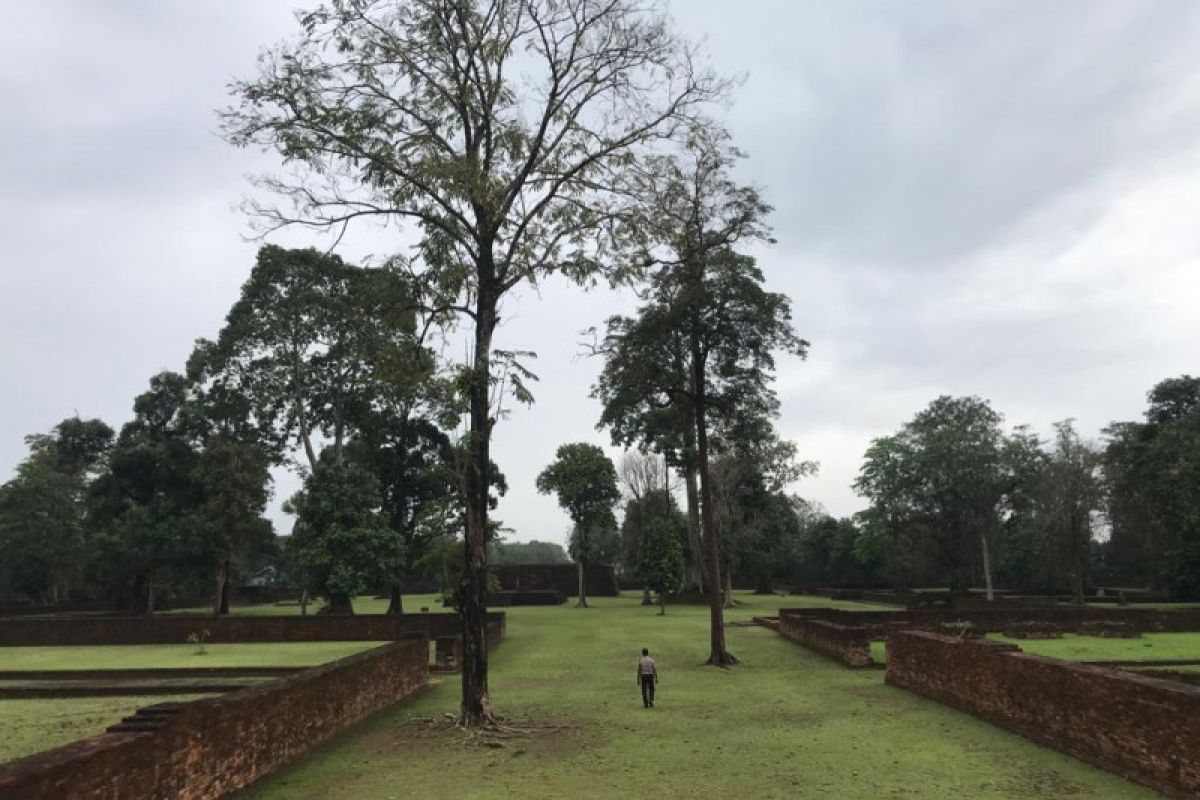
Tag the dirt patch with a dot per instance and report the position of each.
(1046, 784)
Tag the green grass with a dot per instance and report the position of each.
(285, 654)
(787, 723)
(31, 726)
(1091, 648)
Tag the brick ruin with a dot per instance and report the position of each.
(1142, 728)
(848, 644)
(208, 748)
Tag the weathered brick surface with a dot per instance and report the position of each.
(1144, 729)
(174, 629)
(848, 644)
(211, 747)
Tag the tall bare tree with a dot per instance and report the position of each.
(504, 130)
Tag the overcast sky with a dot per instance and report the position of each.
(991, 198)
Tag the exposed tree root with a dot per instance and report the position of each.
(724, 661)
(493, 731)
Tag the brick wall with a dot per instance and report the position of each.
(850, 645)
(208, 748)
(1144, 729)
(174, 629)
(1002, 614)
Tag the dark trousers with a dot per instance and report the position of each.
(647, 690)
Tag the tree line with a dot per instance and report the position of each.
(956, 500)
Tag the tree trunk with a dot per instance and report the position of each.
(583, 603)
(149, 595)
(476, 706)
(646, 599)
(987, 567)
(341, 605)
(718, 656)
(727, 599)
(395, 599)
(694, 578)
(764, 584)
(222, 606)
(304, 602)
(662, 604)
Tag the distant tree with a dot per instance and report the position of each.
(234, 486)
(1069, 501)
(43, 533)
(662, 564)
(1152, 480)
(506, 131)
(939, 486)
(341, 540)
(585, 482)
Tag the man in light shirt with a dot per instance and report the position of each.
(647, 672)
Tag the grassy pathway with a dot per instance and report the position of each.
(785, 724)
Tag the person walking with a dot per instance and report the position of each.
(647, 675)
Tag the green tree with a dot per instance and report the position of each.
(43, 532)
(141, 504)
(705, 337)
(234, 484)
(1069, 501)
(937, 489)
(585, 482)
(1152, 480)
(341, 541)
(505, 130)
(661, 566)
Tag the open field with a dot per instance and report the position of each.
(31, 726)
(170, 656)
(787, 723)
(1090, 648)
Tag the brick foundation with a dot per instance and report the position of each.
(1144, 729)
(208, 748)
(851, 645)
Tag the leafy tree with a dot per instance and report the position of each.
(341, 541)
(505, 130)
(585, 481)
(1152, 477)
(704, 338)
(313, 345)
(1069, 501)
(43, 531)
(937, 488)
(661, 566)
(234, 483)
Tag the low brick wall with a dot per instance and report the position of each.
(208, 748)
(1144, 729)
(175, 629)
(1001, 614)
(849, 645)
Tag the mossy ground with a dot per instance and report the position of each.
(787, 723)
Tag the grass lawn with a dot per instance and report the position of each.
(167, 656)
(1092, 648)
(787, 723)
(31, 726)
